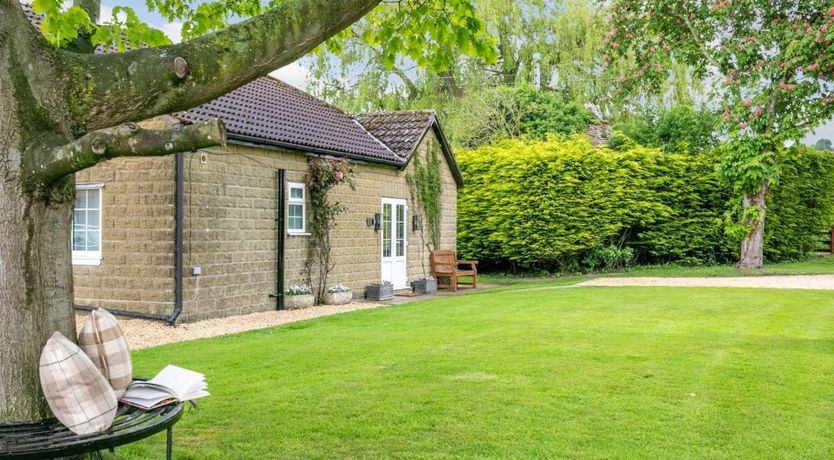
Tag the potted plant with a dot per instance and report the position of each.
(299, 296)
(380, 290)
(338, 294)
(426, 285)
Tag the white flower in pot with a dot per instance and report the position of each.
(299, 296)
(338, 294)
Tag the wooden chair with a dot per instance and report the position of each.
(445, 264)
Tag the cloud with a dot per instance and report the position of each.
(294, 74)
(173, 30)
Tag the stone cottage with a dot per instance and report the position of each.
(198, 234)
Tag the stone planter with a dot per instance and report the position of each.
(294, 302)
(379, 292)
(337, 298)
(424, 286)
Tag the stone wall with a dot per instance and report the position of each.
(137, 264)
(230, 231)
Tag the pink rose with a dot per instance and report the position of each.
(340, 175)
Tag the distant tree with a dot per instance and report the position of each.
(774, 62)
(518, 112)
(823, 144)
(681, 129)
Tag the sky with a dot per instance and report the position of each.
(298, 75)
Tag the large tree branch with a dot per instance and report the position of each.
(127, 140)
(115, 88)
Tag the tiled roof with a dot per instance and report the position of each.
(35, 18)
(400, 131)
(270, 110)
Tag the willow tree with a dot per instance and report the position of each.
(773, 68)
(64, 108)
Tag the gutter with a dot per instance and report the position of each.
(250, 141)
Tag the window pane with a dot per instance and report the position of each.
(400, 230)
(93, 198)
(296, 192)
(79, 218)
(80, 199)
(93, 241)
(295, 218)
(386, 230)
(79, 239)
(92, 220)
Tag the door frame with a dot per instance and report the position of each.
(398, 263)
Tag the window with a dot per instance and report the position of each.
(86, 225)
(295, 208)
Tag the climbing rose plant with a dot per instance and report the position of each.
(772, 64)
(324, 175)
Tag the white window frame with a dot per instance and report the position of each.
(297, 201)
(89, 257)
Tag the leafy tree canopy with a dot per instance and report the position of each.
(427, 32)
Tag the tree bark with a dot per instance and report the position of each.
(752, 246)
(109, 89)
(35, 255)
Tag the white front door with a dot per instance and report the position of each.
(394, 242)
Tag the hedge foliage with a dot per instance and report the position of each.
(557, 204)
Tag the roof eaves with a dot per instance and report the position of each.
(251, 141)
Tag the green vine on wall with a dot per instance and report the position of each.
(323, 176)
(426, 192)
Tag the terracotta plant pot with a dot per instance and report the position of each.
(338, 298)
(294, 302)
(379, 292)
(424, 286)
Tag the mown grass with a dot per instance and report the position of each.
(815, 265)
(578, 373)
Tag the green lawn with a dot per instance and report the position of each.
(578, 372)
(815, 265)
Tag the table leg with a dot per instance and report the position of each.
(169, 443)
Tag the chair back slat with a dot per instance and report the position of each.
(443, 261)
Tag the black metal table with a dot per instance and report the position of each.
(51, 439)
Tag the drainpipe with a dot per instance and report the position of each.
(280, 237)
(179, 217)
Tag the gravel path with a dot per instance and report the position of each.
(775, 282)
(142, 333)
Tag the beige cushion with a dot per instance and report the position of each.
(102, 339)
(77, 393)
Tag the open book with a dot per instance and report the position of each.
(172, 384)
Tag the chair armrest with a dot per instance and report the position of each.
(468, 262)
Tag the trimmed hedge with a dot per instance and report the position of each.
(557, 204)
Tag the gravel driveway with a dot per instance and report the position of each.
(774, 282)
(142, 333)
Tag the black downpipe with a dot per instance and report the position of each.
(179, 217)
(280, 238)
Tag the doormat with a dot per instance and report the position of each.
(406, 294)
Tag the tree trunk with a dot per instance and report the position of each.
(35, 257)
(752, 246)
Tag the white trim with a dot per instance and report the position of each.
(89, 186)
(297, 202)
(90, 257)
